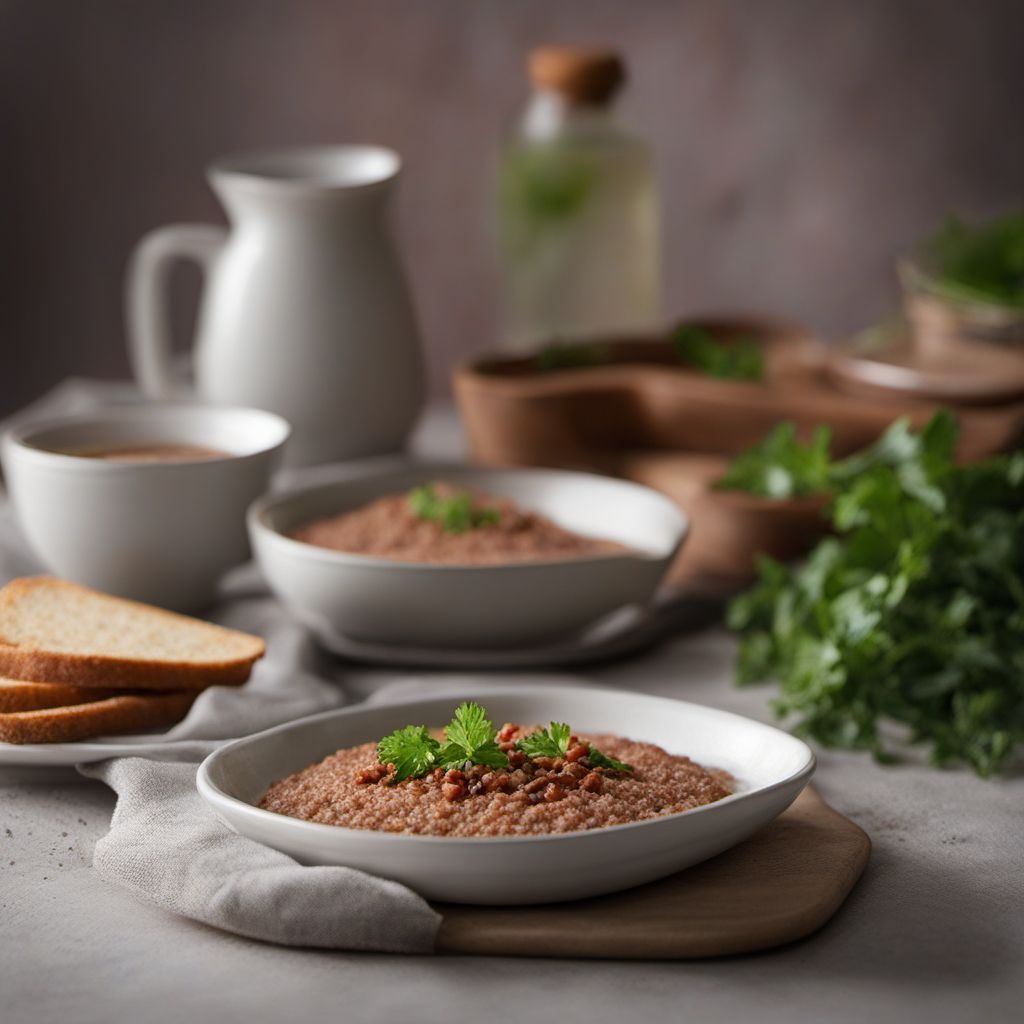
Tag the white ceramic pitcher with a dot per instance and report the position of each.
(305, 309)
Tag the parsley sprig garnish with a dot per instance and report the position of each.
(736, 358)
(454, 514)
(599, 760)
(469, 736)
(554, 742)
(733, 357)
(412, 750)
(559, 356)
(550, 742)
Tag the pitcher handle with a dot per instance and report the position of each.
(146, 312)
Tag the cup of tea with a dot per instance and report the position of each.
(147, 502)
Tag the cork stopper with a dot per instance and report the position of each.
(585, 77)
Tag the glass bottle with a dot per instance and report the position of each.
(577, 209)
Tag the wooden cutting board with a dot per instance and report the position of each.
(778, 886)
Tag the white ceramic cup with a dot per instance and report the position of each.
(161, 532)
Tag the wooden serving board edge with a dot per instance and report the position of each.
(781, 885)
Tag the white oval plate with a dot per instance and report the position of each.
(770, 767)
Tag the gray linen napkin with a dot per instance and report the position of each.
(168, 847)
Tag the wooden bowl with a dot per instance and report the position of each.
(729, 530)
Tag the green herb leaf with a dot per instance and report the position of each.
(550, 742)
(979, 262)
(781, 466)
(470, 727)
(913, 614)
(599, 760)
(451, 755)
(455, 514)
(470, 737)
(412, 750)
(736, 358)
(454, 756)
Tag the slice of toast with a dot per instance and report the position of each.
(65, 633)
(131, 713)
(18, 695)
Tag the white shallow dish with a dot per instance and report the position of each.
(770, 767)
(377, 601)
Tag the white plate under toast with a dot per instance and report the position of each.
(83, 752)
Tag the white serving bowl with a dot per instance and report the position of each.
(162, 532)
(487, 606)
(770, 768)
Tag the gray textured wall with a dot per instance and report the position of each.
(800, 143)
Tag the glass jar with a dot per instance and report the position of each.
(577, 209)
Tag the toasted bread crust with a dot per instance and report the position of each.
(20, 695)
(94, 670)
(112, 715)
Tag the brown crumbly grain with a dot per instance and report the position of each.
(330, 792)
(388, 528)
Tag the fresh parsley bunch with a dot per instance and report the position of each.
(913, 613)
(781, 466)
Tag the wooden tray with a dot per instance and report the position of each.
(777, 887)
(516, 415)
(657, 423)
